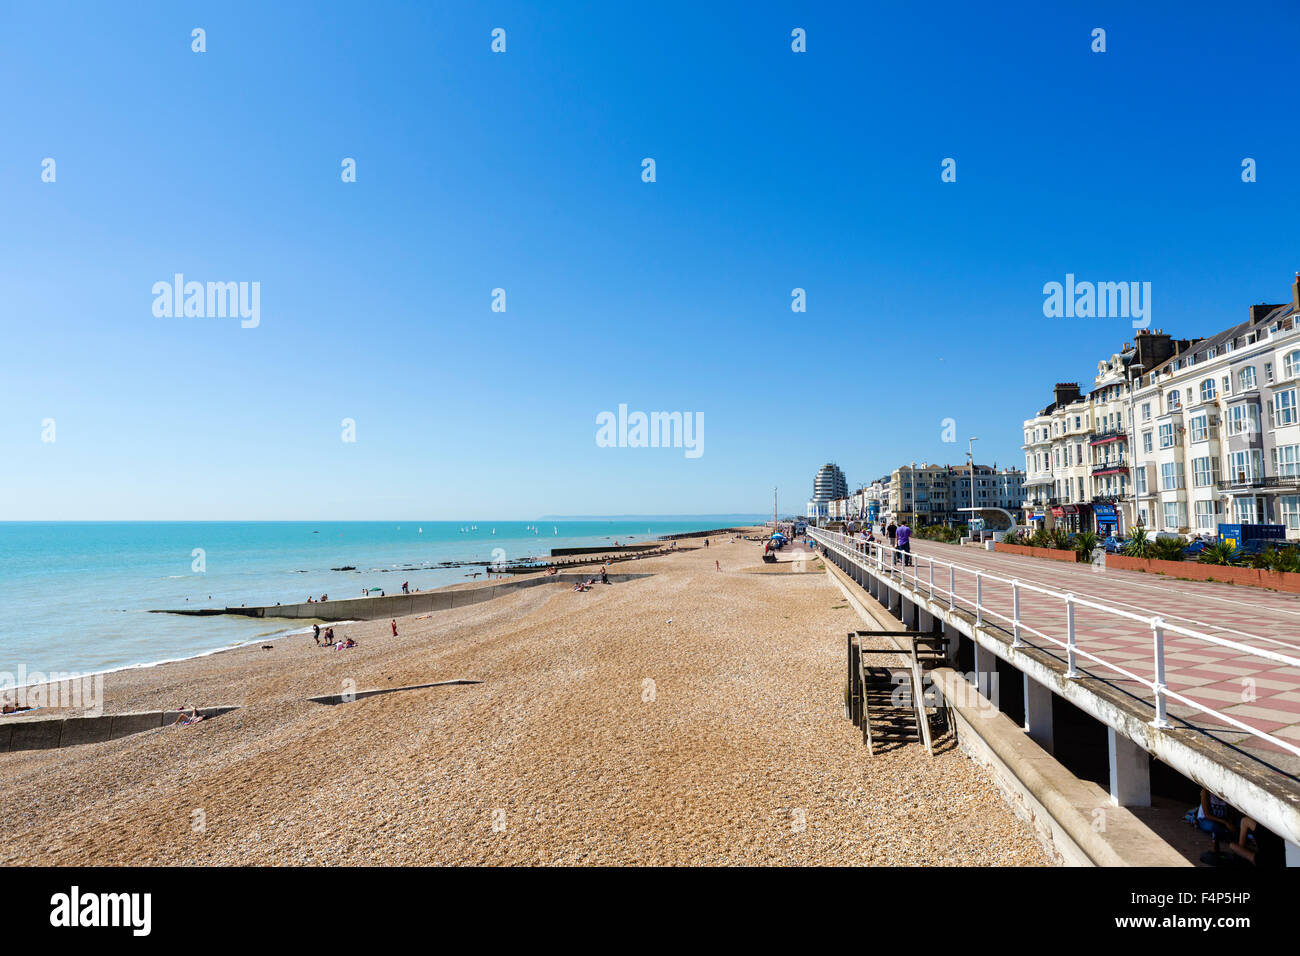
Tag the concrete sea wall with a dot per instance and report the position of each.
(397, 605)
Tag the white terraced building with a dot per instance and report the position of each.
(1177, 435)
(1219, 428)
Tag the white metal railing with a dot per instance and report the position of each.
(883, 559)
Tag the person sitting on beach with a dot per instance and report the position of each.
(604, 575)
(344, 645)
(184, 719)
(1212, 816)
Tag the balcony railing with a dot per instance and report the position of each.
(1243, 481)
(1111, 465)
(1102, 437)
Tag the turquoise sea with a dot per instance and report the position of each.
(74, 596)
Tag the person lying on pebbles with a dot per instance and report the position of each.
(184, 720)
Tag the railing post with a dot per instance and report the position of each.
(1015, 613)
(952, 586)
(1071, 657)
(932, 579)
(979, 598)
(1158, 633)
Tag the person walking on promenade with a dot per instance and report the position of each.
(892, 533)
(904, 536)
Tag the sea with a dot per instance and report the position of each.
(75, 597)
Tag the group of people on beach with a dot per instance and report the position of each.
(329, 640)
(590, 582)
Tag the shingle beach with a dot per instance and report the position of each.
(691, 717)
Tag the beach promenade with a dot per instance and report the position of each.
(690, 717)
(1262, 693)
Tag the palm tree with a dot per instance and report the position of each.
(1138, 544)
(1085, 543)
(1168, 549)
(1221, 553)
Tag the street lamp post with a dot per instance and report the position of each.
(912, 473)
(1132, 445)
(970, 461)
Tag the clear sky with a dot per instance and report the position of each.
(522, 170)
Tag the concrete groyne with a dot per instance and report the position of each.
(610, 549)
(393, 605)
(53, 732)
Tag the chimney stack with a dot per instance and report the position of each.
(1295, 293)
(1066, 392)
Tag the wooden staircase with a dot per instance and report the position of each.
(889, 702)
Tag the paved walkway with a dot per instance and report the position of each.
(1260, 693)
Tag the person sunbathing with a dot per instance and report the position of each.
(184, 720)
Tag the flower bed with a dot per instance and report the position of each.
(1052, 554)
(1250, 577)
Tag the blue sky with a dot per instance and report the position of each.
(522, 171)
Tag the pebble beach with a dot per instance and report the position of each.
(693, 717)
